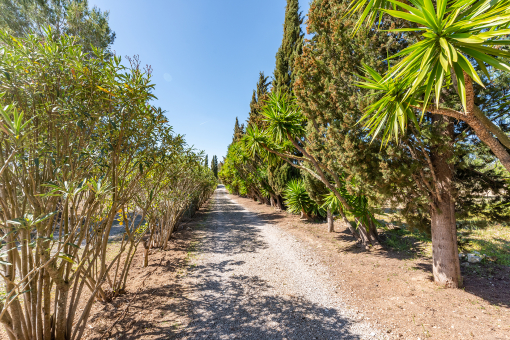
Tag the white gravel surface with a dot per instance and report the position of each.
(253, 280)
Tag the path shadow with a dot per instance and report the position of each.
(245, 307)
(488, 281)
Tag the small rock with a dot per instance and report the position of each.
(474, 258)
(465, 264)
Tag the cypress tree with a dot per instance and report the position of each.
(283, 80)
(214, 165)
(257, 100)
(292, 46)
(238, 131)
(426, 174)
(206, 163)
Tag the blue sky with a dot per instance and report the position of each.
(206, 56)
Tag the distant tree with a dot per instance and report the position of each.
(292, 46)
(257, 100)
(214, 165)
(279, 175)
(71, 17)
(206, 163)
(238, 131)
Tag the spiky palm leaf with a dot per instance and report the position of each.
(296, 197)
(456, 37)
(284, 117)
(332, 203)
(451, 35)
(392, 111)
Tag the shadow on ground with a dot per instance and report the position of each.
(245, 306)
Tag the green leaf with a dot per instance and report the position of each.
(406, 16)
(45, 217)
(446, 50)
(468, 68)
(439, 83)
(73, 245)
(466, 38)
(486, 58)
(444, 62)
(66, 257)
(405, 30)
(483, 68)
(460, 85)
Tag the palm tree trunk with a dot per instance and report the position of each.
(445, 255)
(305, 216)
(331, 222)
(279, 202)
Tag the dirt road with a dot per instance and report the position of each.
(255, 281)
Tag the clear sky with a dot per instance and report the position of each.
(206, 56)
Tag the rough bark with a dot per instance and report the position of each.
(488, 132)
(445, 256)
(446, 267)
(305, 216)
(331, 222)
(349, 225)
(272, 200)
(279, 202)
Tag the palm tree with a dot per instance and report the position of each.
(455, 38)
(285, 137)
(297, 199)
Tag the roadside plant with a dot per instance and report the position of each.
(78, 139)
(298, 201)
(458, 43)
(285, 136)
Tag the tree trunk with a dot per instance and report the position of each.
(485, 136)
(349, 225)
(146, 255)
(279, 202)
(331, 222)
(483, 127)
(445, 254)
(304, 216)
(364, 235)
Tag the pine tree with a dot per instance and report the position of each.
(292, 46)
(71, 17)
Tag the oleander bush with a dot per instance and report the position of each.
(82, 150)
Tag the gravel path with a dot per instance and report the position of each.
(253, 280)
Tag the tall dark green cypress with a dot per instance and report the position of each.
(206, 163)
(214, 165)
(238, 131)
(257, 100)
(292, 46)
